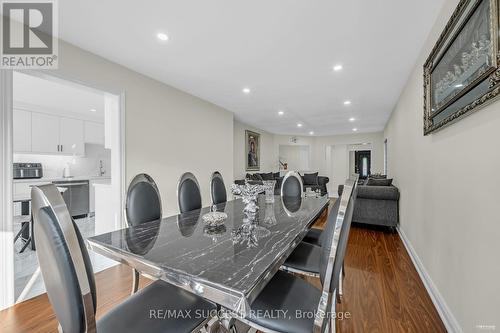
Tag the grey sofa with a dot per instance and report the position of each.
(318, 183)
(376, 205)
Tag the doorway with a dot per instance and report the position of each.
(70, 135)
(362, 163)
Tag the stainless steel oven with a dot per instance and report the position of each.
(76, 196)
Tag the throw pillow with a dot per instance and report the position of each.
(311, 178)
(276, 175)
(267, 176)
(379, 182)
(256, 176)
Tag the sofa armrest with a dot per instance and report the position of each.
(322, 181)
(378, 192)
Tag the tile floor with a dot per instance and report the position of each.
(26, 263)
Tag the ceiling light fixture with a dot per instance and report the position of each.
(299, 125)
(311, 133)
(162, 36)
(352, 119)
(281, 113)
(93, 110)
(347, 103)
(337, 68)
(354, 129)
(246, 90)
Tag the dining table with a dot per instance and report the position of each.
(230, 264)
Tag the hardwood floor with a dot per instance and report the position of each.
(382, 291)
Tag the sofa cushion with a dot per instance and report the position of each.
(378, 176)
(267, 176)
(378, 192)
(311, 178)
(379, 182)
(255, 176)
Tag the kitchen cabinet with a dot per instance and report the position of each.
(92, 189)
(44, 133)
(48, 134)
(22, 131)
(94, 132)
(71, 136)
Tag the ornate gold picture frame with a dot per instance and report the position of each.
(462, 72)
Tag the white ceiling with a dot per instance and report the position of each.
(57, 96)
(283, 50)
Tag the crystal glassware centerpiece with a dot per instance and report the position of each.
(248, 193)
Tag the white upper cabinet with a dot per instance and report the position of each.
(94, 132)
(44, 133)
(71, 136)
(22, 131)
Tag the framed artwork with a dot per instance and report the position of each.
(252, 151)
(461, 73)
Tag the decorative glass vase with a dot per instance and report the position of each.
(269, 188)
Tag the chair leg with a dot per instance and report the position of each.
(23, 227)
(135, 281)
(28, 241)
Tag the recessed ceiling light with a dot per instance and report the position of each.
(93, 110)
(311, 133)
(337, 68)
(352, 119)
(354, 129)
(162, 36)
(347, 102)
(299, 125)
(246, 90)
(281, 113)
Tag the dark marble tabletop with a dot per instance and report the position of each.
(229, 265)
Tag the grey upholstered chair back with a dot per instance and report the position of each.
(217, 189)
(64, 261)
(292, 185)
(188, 193)
(143, 203)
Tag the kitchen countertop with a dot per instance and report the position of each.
(54, 179)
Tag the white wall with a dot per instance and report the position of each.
(449, 197)
(268, 159)
(297, 157)
(168, 131)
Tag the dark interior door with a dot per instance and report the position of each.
(363, 163)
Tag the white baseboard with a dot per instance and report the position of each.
(449, 320)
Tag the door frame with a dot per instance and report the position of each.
(6, 206)
(6, 160)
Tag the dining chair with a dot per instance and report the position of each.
(300, 299)
(292, 185)
(305, 259)
(188, 193)
(314, 235)
(142, 205)
(69, 279)
(217, 189)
